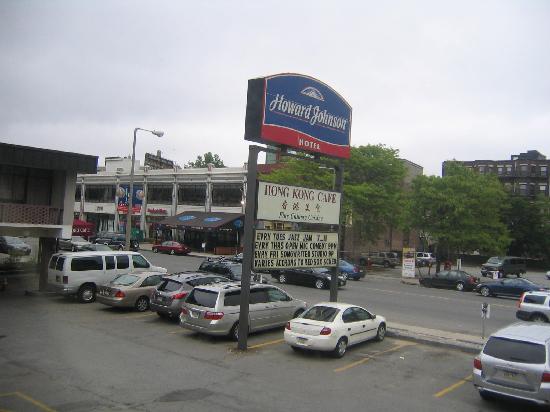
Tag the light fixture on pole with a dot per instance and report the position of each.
(130, 193)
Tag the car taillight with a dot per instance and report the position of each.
(180, 295)
(545, 377)
(65, 279)
(120, 294)
(520, 301)
(184, 311)
(325, 331)
(477, 364)
(287, 327)
(213, 315)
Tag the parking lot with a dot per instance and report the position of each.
(59, 355)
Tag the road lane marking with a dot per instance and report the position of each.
(372, 356)
(261, 345)
(452, 387)
(137, 316)
(27, 398)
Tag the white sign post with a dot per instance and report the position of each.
(409, 263)
(485, 314)
(297, 204)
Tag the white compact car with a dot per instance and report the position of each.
(332, 327)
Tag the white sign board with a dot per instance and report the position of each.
(276, 249)
(485, 310)
(409, 263)
(297, 204)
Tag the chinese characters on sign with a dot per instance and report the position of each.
(283, 249)
(297, 204)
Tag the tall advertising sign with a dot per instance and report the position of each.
(136, 199)
(300, 112)
(409, 262)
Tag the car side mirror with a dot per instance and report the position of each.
(373, 316)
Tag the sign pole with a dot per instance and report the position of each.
(248, 240)
(339, 187)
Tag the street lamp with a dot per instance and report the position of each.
(130, 193)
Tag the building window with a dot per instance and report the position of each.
(192, 194)
(500, 170)
(523, 189)
(542, 189)
(523, 170)
(99, 193)
(77, 193)
(544, 171)
(227, 194)
(25, 185)
(508, 170)
(160, 194)
(481, 169)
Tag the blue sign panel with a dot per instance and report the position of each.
(300, 112)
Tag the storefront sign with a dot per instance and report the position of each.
(409, 262)
(123, 195)
(155, 211)
(274, 249)
(297, 204)
(124, 209)
(298, 111)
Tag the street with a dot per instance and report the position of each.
(59, 355)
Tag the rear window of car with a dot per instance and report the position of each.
(140, 262)
(206, 281)
(321, 313)
(512, 350)
(232, 298)
(125, 280)
(169, 285)
(80, 264)
(201, 297)
(537, 299)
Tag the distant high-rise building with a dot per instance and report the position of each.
(157, 161)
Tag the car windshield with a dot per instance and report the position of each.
(169, 285)
(78, 239)
(511, 350)
(321, 313)
(345, 264)
(125, 280)
(321, 270)
(494, 260)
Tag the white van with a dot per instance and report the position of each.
(80, 273)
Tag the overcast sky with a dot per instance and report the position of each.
(436, 80)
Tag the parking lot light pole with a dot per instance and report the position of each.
(130, 193)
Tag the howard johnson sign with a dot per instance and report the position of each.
(298, 111)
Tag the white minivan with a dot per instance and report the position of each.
(80, 273)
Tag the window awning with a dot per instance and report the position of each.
(204, 220)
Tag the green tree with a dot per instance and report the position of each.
(528, 221)
(461, 211)
(203, 162)
(373, 191)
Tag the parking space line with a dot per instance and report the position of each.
(27, 398)
(137, 316)
(452, 387)
(372, 356)
(261, 345)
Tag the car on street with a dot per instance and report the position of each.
(97, 247)
(514, 363)
(117, 241)
(425, 259)
(507, 287)
(386, 259)
(228, 268)
(317, 277)
(168, 297)
(450, 279)
(504, 265)
(171, 247)
(534, 306)
(74, 244)
(214, 309)
(352, 271)
(333, 327)
(131, 290)
(14, 246)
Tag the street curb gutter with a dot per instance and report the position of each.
(446, 342)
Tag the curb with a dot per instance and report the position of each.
(465, 346)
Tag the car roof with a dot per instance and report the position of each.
(538, 292)
(190, 275)
(341, 306)
(231, 286)
(96, 253)
(144, 274)
(532, 332)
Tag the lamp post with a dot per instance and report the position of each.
(130, 193)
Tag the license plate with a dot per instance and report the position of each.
(301, 340)
(511, 375)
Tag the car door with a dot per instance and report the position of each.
(353, 326)
(439, 279)
(369, 327)
(260, 309)
(148, 285)
(283, 306)
(518, 286)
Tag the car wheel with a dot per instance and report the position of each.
(298, 313)
(155, 250)
(172, 251)
(86, 294)
(381, 334)
(460, 287)
(234, 332)
(538, 318)
(485, 291)
(341, 347)
(386, 264)
(319, 284)
(282, 279)
(142, 304)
